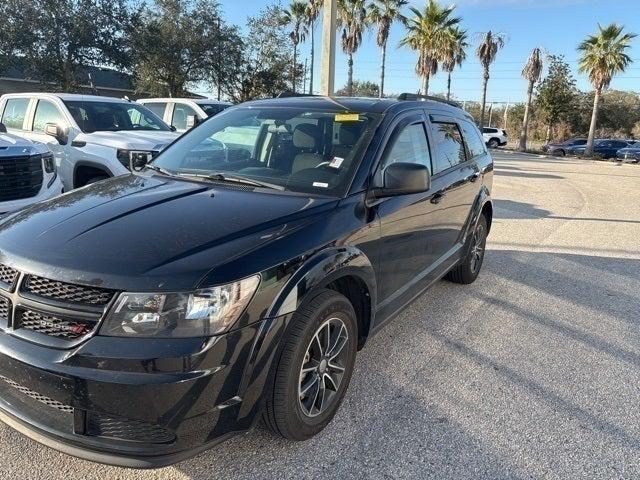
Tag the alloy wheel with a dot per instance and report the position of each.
(477, 247)
(323, 367)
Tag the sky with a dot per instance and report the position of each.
(557, 26)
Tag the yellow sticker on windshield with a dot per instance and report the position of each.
(347, 117)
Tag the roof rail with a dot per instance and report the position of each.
(415, 96)
(294, 94)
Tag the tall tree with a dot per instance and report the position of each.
(531, 72)
(384, 13)
(487, 50)
(427, 35)
(313, 10)
(556, 95)
(602, 56)
(352, 18)
(54, 39)
(454, 53)
(175, 44)
(296, 18)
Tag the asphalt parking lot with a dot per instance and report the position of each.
(531, 372)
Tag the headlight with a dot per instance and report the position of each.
(201, 313)
(49, 164)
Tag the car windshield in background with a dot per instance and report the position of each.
(295, 149)
(212, 109)
(113, 116)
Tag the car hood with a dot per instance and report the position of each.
(12, 145)
(151, 232)
(130, 139)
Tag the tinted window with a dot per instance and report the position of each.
(489, 130)
(409, 146)
(180, 114)
(14, 112)
(113, 116)
(449, 147)
(212, 108)
(46, 112)
(618, 144)
(292, 148)
(475, 143)
(157, 108)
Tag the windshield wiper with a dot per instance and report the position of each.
(223, 177)
(159, 169)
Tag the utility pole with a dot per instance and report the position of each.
(490, 113)
(328, 60)
(506, 114)
(304, 77)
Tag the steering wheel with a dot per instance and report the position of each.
(224, 147)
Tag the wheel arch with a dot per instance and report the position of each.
(346, 270)
(87, 166)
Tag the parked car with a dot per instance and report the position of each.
(27, 172)
(560, 149)
(91, 137)
(152, 315)
(630, 154)
(604, 148)
(184, 113)
(494, 137)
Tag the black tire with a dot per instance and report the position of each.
(469, 268)
(97, 178)
(493, 143)
(284, 412)
(560, 153)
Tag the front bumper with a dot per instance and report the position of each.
(134, 403)
(51, 187)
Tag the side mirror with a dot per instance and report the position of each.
(57, 132)
(402, 179)
(192, 121)
(3, 129)
(138, 160)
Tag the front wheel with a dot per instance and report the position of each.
(315, 367)
(468, 269)
(494, 143)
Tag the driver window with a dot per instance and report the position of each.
(409, 146)
(180, 114)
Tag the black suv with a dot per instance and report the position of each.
(149, 316)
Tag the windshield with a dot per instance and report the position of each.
(300, 150)
(212, 108)
(94, 116)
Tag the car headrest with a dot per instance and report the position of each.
(349, 133)
(306, 135)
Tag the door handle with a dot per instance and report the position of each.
(438, 196)
(474, 176)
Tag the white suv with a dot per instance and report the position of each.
(27, 173)
(183, 113)
(494, 137)
(91, 137)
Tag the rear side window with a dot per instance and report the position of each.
(46, 112)
(489, 130)
(157, 108)
(475, 143)
(14, 112)
(180, 114)
(409, 146)
(449, 146)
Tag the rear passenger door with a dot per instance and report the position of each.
(454, 185)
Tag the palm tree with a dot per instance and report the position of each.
(352, 18)
(312, 12)
(454, 54)
(427, 35)
(487, 50)
(603, 56)
(296, 17)
(383, 13)
(531, 72)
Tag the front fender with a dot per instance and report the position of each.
(319, 271)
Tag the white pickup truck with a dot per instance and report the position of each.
(91, 137)
(27, 173)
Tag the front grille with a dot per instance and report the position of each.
(8, 275)
(99, 425)
(67, 292)
(37, 396)
(53, 326)
(5, 308)
(20, 177)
